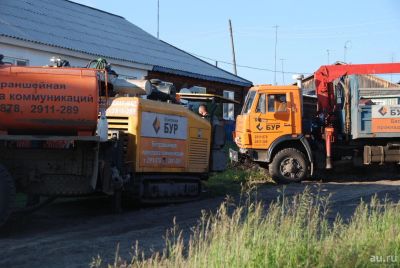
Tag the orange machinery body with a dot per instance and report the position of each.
(161, 137)
(262, 123)
(46, 100)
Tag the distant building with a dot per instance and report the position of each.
(31, 32)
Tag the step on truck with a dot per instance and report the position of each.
(347, 122)
(68, 132)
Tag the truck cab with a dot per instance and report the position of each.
(355, 124)
(269, 130)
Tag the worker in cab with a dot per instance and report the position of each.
(281, 104)
(203, 112)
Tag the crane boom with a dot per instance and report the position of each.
(326, 74)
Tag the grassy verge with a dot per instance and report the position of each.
(292, 232)
(235, 178)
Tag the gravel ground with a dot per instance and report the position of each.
(70, 233)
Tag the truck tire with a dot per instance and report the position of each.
(7, 194)
(289, 165)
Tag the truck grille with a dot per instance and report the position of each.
(198, 152)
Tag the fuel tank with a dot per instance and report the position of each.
(47, 100)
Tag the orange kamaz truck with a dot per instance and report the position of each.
(52, 143)
(346, 122)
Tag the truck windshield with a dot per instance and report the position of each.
(249, 102)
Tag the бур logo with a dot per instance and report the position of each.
(156, 125)
(383, 110)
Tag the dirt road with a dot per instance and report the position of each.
(69, 234)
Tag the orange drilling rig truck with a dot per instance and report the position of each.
(348, 123)
(80, 131)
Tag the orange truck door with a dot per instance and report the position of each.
(271, 118)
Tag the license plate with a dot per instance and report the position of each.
(233, 155)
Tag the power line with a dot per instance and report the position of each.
(298, 28)
(247, 66)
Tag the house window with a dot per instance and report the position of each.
(15, 61)
(229, 108)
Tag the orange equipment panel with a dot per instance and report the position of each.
(47, 100)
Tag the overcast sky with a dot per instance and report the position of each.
(307, 30)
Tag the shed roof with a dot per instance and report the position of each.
(69, 25)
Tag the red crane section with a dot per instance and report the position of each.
(326, 74)
(324, 77)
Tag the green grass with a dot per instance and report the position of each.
(291, 232)
(236, 177)
(233, 180)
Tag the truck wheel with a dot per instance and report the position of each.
(7, 194)
(289, 165)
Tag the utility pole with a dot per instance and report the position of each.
(283, 73)
(276, 44)
(345, 49)
(216, 63)
(327, 52)
(233, 48)
(158, 19)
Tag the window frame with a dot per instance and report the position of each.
(261, 96)
(228, 109)
(275, 110)
(246, 107)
